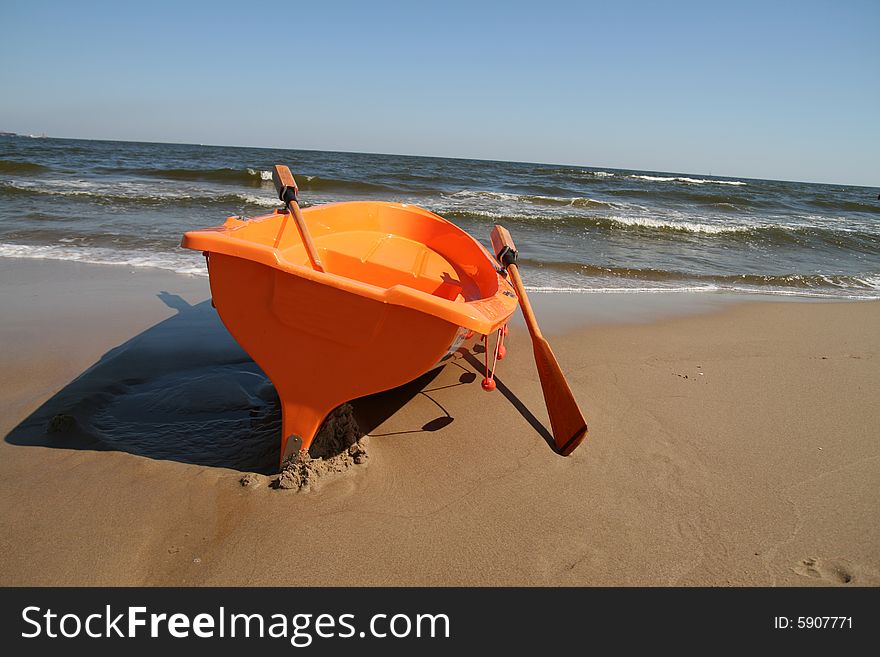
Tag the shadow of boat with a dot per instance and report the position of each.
(182, 390)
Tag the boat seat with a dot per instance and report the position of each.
(386, 260)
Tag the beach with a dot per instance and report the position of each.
(733, 442)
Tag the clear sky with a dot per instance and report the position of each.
(766, 89)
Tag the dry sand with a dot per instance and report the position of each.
(731, 443)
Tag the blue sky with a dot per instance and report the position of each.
(787, 90)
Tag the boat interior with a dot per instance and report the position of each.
(379, 244)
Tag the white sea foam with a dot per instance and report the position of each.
(183, 261)
(264, 175)
(579, 201)
(684, 226)
(621, 289)
(576, 201)
(264, 200)
(121, 190)
(869, 280)
(171, 192)
(641, 216)
(444, 210)
(498, 196)
(812, 294)
(692, 181)
(596, 174)
(180, 262)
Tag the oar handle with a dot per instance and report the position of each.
(506, 254)
(502, 244)
(285, 185)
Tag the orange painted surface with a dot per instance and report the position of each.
(400, 284)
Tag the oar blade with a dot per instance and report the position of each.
(566, 420)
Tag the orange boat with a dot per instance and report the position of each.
(348, 299)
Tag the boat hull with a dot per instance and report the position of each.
(402, 287)
(320, 346)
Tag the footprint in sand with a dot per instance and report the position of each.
(835, 571)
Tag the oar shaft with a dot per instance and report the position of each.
(285, 184)
(524, 303)
(311, 249)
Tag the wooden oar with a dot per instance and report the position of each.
(566, 420)
(287, 190)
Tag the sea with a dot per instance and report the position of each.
(578, 229)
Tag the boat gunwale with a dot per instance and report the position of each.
(483, 315)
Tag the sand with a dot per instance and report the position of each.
(733, 442)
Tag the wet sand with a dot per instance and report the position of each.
(732, 443)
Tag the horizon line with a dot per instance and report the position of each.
(436, 157)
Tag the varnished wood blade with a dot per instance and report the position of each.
(566, 420)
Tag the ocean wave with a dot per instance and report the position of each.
(703, 196)
(491, 215)
(557, 276)
(684, 179)
(247, 177)
(133, 193)
(575, 202)
(181, 262)
(718, 289)
(322, 184)
(572, 173)
(573, 289)
(588, 173)
(16, 167)
(263, 175)
(482, 194)
(742, 231)
(538, 199)
(47, 217)
(679, 226)
(864, 282)
(869, 207)
(608, 222)
(871, 281)
(262, 201)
